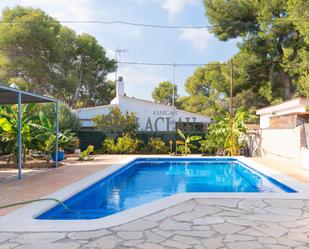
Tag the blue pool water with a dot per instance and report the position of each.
(146, 180)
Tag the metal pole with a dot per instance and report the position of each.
(19, 136)
(116, 72)
(231, 89)
(173, 85)
(118, 51)
(57, 130)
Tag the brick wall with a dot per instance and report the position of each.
(287, 121)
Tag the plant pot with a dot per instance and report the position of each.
(60, 156)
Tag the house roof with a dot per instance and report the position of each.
(9, 95)
(301, 101)
(142, 101)
(163, 105)
(93, 107)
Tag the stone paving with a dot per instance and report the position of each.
(197, 224)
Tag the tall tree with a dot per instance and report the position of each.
(39, 54)
(271, 42)
(28, 39)
(163, 93)
(93, 66)
(206, 87)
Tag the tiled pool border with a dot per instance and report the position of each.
(23, 219)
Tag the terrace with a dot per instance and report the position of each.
(215, 222)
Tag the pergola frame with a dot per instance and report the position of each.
(9, 95)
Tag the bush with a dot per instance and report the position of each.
(109, 146)
(115, 121)
(85, 155)
(125, 145)
(209, 146)
(156, 146)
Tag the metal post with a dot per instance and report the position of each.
(231, 89)
(57, 130)
(117, 52)
(173, 85)
(116, 72)
(19, 136)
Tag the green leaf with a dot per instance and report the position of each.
(195, 138)
(181, 134)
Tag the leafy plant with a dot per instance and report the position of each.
(109, 146)
(124, 145)
(67, 119)
(185, 145)
(85, 155)
(212, 144)
(156, 146)
(230, 131)
(46, 137)
(9, 129)
(116, 122)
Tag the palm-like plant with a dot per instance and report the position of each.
(186, 145)
(46, 135)
(9, 129)
(232, 129)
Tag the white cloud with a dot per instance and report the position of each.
(174, 7)
(199, 38)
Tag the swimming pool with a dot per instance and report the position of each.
(148, 179)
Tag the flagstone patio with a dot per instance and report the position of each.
(197, 224)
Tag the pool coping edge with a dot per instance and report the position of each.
(22, 219)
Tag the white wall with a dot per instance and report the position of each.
(291, 106)
(86, 114)
(284, 143)
(157, 117)
(265, 121)
(151, 116)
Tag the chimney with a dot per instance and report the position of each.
(120, 87)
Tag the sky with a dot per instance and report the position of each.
(143, 44)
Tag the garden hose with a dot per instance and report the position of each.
(42, 199)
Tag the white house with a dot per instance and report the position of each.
(287, 107)
(151, 116)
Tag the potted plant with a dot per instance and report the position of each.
(65, 140)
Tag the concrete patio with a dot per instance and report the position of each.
(197, 223)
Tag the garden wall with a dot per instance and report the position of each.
(288, 144)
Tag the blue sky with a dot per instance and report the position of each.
(143, 44)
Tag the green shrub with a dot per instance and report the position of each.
(209, 146)
(85, 155)
(109, 146)
(156, 146)
(124, 145)
(127, 144)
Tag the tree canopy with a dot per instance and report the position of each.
(39, 54)
(163, 93)
(272, 62)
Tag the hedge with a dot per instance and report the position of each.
(96, 137)
(91, 137)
